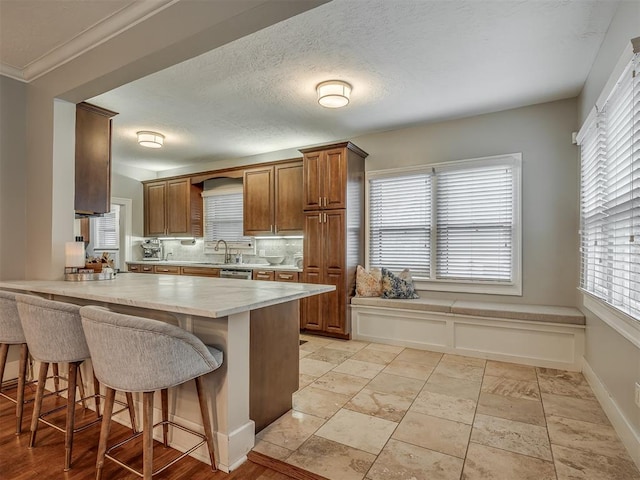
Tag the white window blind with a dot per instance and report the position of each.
(107, 230)
(475, 224)
(400, 223)
(610, 193)
(223, 217)
(454, 223)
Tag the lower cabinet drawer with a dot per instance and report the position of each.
(173, 270)
(138, 268)
(263, 275)
(201, 271)
(286, 276)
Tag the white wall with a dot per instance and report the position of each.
(13, 126)
(613, 359)
(126, 187)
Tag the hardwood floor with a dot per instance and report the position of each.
(46, 460)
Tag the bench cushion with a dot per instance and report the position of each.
(422, 304)
(512, 311)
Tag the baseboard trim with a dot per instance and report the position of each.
(630, 438)
(282, 467)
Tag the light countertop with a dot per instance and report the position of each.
(191, 295)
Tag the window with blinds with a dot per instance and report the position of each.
(449, 223)
(475, 225)
(400, 223)
(223, 219)
(106, 230)
(610, 196)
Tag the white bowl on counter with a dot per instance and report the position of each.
(274, 259)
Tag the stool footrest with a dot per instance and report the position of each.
(164, 467)
(81, 400)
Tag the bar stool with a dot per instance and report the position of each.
(11, 333)
(54, 333)
(134, 354)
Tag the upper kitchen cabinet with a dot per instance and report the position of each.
(273, 199)
(328, 172)
(93, 159)
(172, 208)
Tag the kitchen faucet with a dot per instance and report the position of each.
(227, 257)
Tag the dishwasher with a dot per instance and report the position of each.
(239, 274)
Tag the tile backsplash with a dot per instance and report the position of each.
(287, 247)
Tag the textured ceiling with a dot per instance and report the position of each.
(409, 61)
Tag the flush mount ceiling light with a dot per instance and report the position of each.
(150, 139)
(333, 93)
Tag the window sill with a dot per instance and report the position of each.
(625, 325)
(477, 287)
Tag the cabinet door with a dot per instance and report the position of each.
(312, 180)
(313, 253)
(289, 215)
(333, 233)
(155, 199)
(93, 159)
(334, 304)
(311, 308)
(258, 201)
(178, 203)
(334, 185)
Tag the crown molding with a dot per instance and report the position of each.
(90, 38)
(11, 72)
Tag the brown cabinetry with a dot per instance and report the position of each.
(172, 208)
(275, 275)
(141, 268)
(286, 276)
(200, 271)
(263, 275)
(167, 269)
(93, 159)
(273, 199)
(333, 234)
(324, 262)
(174, 270)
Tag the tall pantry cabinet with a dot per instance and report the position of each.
(333, 178)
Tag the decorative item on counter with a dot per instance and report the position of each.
(73, 256)
(91, 268)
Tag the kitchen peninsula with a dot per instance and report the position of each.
(254, 323)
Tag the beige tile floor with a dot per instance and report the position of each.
(382, 412)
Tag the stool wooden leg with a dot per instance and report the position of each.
(81, 388)
(96, 391)
(206, 421)
(4, 351)
(132, 412)
(164, 397)
(37, 406)
(56, 378)
(147, 435)
(71, 414)
(105, 429)
(22, 375)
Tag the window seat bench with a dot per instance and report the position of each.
(540, 335)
